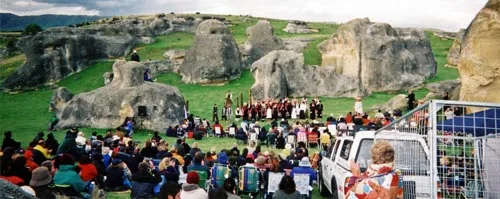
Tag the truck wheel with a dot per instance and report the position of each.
(335, 190)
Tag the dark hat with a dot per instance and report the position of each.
(20, 151)
(192, 178)
(222, 158)
(40, 177)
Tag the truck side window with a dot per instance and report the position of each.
(337, 144)
(346, 149)
(364, 158)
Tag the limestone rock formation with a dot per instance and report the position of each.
(214, 56)
(59, 99)
(382, 58)
(282, 73)
(297, 44)
(55, 54)
(58, 52)
(108, 106)
(176, 56)
(298, 27)
(108, 77)
(261, 40)
(445, 35)
(397, 102)
(455, 49)
(437, 89)
(479, 61)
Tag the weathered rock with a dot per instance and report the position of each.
(176, 56)
(445, 35)
(59, 99)
(58, 52)
(282, 73)
(381, 57)
(298, 27)
(450, 86)
(161, 66)
(108, 106)
(297, 44)
(55, 54)
(108, 78)
(261, 40)
(455, 49)
(397, 102)
(479, 61)
(214, 56)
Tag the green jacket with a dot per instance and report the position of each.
(66, 175)
(68, 145)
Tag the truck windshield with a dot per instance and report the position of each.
(416, 165)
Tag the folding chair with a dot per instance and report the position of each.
(302, 184)
(232, 132)
(290, 139)
(302, 137)
(219, 174)
(253, 137)
(248, 180)
(204, 183)
(218, 131)
(271, 139)
(273, 181)
(312, 138)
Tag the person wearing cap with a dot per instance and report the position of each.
(190, 189)
(41, 181)
(134, 56)
(115, 176)
(305, 168)
(67, 175)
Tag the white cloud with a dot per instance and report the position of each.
(443, 14)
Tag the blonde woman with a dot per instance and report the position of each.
(380, 180)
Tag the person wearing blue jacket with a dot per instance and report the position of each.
(305, 168)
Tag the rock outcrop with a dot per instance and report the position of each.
(445, 35)
(298, 27)
(60, 98)
(437, 89)
(109, 106)
(397, 102)
(297, 44)
(261, 40)
(214, 56)
(479, 61)
(455, 49)
(382, 58)
(58, 52)
(282, 74)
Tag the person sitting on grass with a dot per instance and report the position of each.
(229, 187)
(66, 173)
(144, 181)
(196, 166)
(170, 190)
(117, 178)
(88, 171)
(9, 142)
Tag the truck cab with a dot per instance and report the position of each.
(334, 171)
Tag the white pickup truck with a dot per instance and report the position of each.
(334, 170)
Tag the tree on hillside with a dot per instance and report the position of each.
(32, 29)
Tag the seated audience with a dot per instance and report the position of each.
(118, 176)
(66, 174)
(287, 189)
(144, 181)
(9, 142)
(88, 171)
(170, 190)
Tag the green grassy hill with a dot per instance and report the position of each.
(27, 112)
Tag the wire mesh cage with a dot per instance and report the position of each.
(447, 149)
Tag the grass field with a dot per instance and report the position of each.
(26, 113)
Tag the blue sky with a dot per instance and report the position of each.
(449, 15)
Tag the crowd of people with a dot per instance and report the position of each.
(80, 165)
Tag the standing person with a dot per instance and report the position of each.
(228, 105)
(411, 100)
(134, 56)
(358, 106)
(224, 116)
(215, 116)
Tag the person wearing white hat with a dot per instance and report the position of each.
(305, 168)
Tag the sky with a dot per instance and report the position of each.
(448, 15)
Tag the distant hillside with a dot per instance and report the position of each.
(12, 22)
